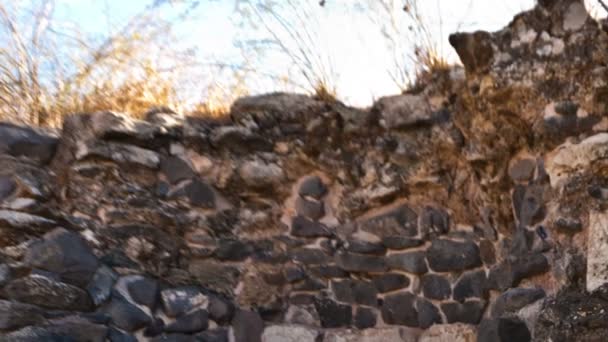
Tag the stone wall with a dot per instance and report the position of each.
(459, 211)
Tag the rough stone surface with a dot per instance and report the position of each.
(476, 194)
(289, 333)
(447, 255)
(449, 333)
(399, 309)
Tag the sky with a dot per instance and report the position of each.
(359, 56)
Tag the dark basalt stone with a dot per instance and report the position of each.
(303, 227)
(513, 270)
(310, 284)
(428, 314)
(390, 282)
(7, 187)
(435, 286)
(47, 293)
(361, 263)
(144, 291)
(514, 299)
(115, 335)
(313, 187)
(155, 328)
(27, 142)
(365, 247)
(247, 326)
(233, 250)
(62, 331)
(216, 335)
(328, 271)
(332, 314)
(64, 253)
(401, 242)
(220, 310)
(200, 194)
(413, 262)
(448, 255)
(364, 318)
(355, 291)
(189, 323)
(178, 301)
(471, 284)
(468, 312)
(399, 309)
(434, 222)
(175, 169)
(126, 316)
(14, 315)
(312, 209)
(528, 204)
(100, 287)
(504, 329)
(310, 256)
(400, 221)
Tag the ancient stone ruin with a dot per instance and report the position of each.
(471, 208)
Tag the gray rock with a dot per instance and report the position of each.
(48, 293)
(365, 247)
(289, 333)
(200, 194)
(399, 309)
(215, 335)
(513, 270)
(434, 222)
(400, 221)
(118, 126)
(401, 242)
(144, 291)
(312, 186)
(413, 262)
(36, 145)
(503, 330)
(68, 330)
(312, 209)
(435, 286)
(127, 316)
(468, 312)
(403, 111)
(257, 174)
(65, 253)
(310, 256)
(16, 219)
(247, 326)
(448, 255)
(332, 314)
(428, 314)
(119, 153)
(178, 301)
(514, 299)
(220, 310)
(355, 291)
(189, 323)
(361, 263)
(7, 187)
(390, 281)
(175, 169)
(365, 318)
(269, 109)
(239, 139)
(303, 227)
(397, 334)
(100, 286)
(14, 315)
(471, 284)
